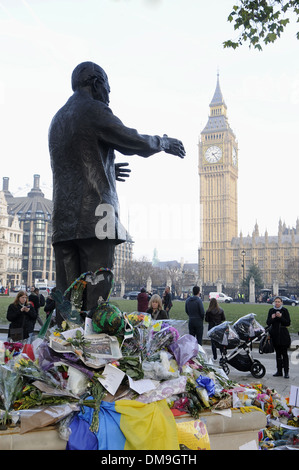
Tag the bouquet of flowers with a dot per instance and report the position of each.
(32, 371)
(10, 387)
(31, 397)
(160, 337)
(136, 345)
(139, 319)
(77, 294)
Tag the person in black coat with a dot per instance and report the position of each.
(214, 316)
(167, 300)
(155, 308)
(278, 320)
(22, 316)
(196, 313)
(50, 304)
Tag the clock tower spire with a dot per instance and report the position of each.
(218, 173)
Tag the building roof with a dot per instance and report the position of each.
(261, 240)
(217, 99)
(217, 122)
(32, 206)
(176, 264)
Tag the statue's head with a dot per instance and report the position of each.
(91, 75)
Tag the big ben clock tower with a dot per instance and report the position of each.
(218, 173)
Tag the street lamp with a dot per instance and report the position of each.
(203, 270)
(243, 253)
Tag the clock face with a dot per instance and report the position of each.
(213, 154)
(235, 160)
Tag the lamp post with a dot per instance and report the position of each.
(243, 253)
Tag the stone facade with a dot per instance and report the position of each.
(11, 244)
(222, 251)
(33, 215)
(218, 171)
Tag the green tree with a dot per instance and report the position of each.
(261, 21)
(253, 271)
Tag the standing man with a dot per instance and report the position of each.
(167, 300)
(82, 138)
(195, 311)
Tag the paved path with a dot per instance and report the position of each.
(280, 384)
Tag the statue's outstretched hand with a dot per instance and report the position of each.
(173, 146)
(120, 172)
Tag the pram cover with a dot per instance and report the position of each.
(224, 335)
(248, 327)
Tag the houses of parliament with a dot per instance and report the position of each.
(224, 255)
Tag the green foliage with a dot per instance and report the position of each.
(260, 21)
(254, 271)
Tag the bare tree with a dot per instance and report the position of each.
(292, 272)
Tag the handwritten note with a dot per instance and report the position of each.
(112, 378)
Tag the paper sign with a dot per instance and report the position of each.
(294, 396)
(141, 386)
(72, 333)
(112, 378)
(251, 445)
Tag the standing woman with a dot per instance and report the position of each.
(22, 316)
(214, 316)
(278, 320)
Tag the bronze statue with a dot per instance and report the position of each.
(83, 136)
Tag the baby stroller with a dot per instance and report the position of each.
(239, 338)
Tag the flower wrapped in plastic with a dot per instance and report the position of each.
(48, 357)
(161, 336)
(136, 345)
(184, 348)
(139, 319)
(10, 387)
(31, 370)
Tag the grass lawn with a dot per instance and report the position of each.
(232, 311)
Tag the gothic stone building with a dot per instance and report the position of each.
(35, 256)
(11, 242)
(223, 255)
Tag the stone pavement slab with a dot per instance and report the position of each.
(280, 384)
